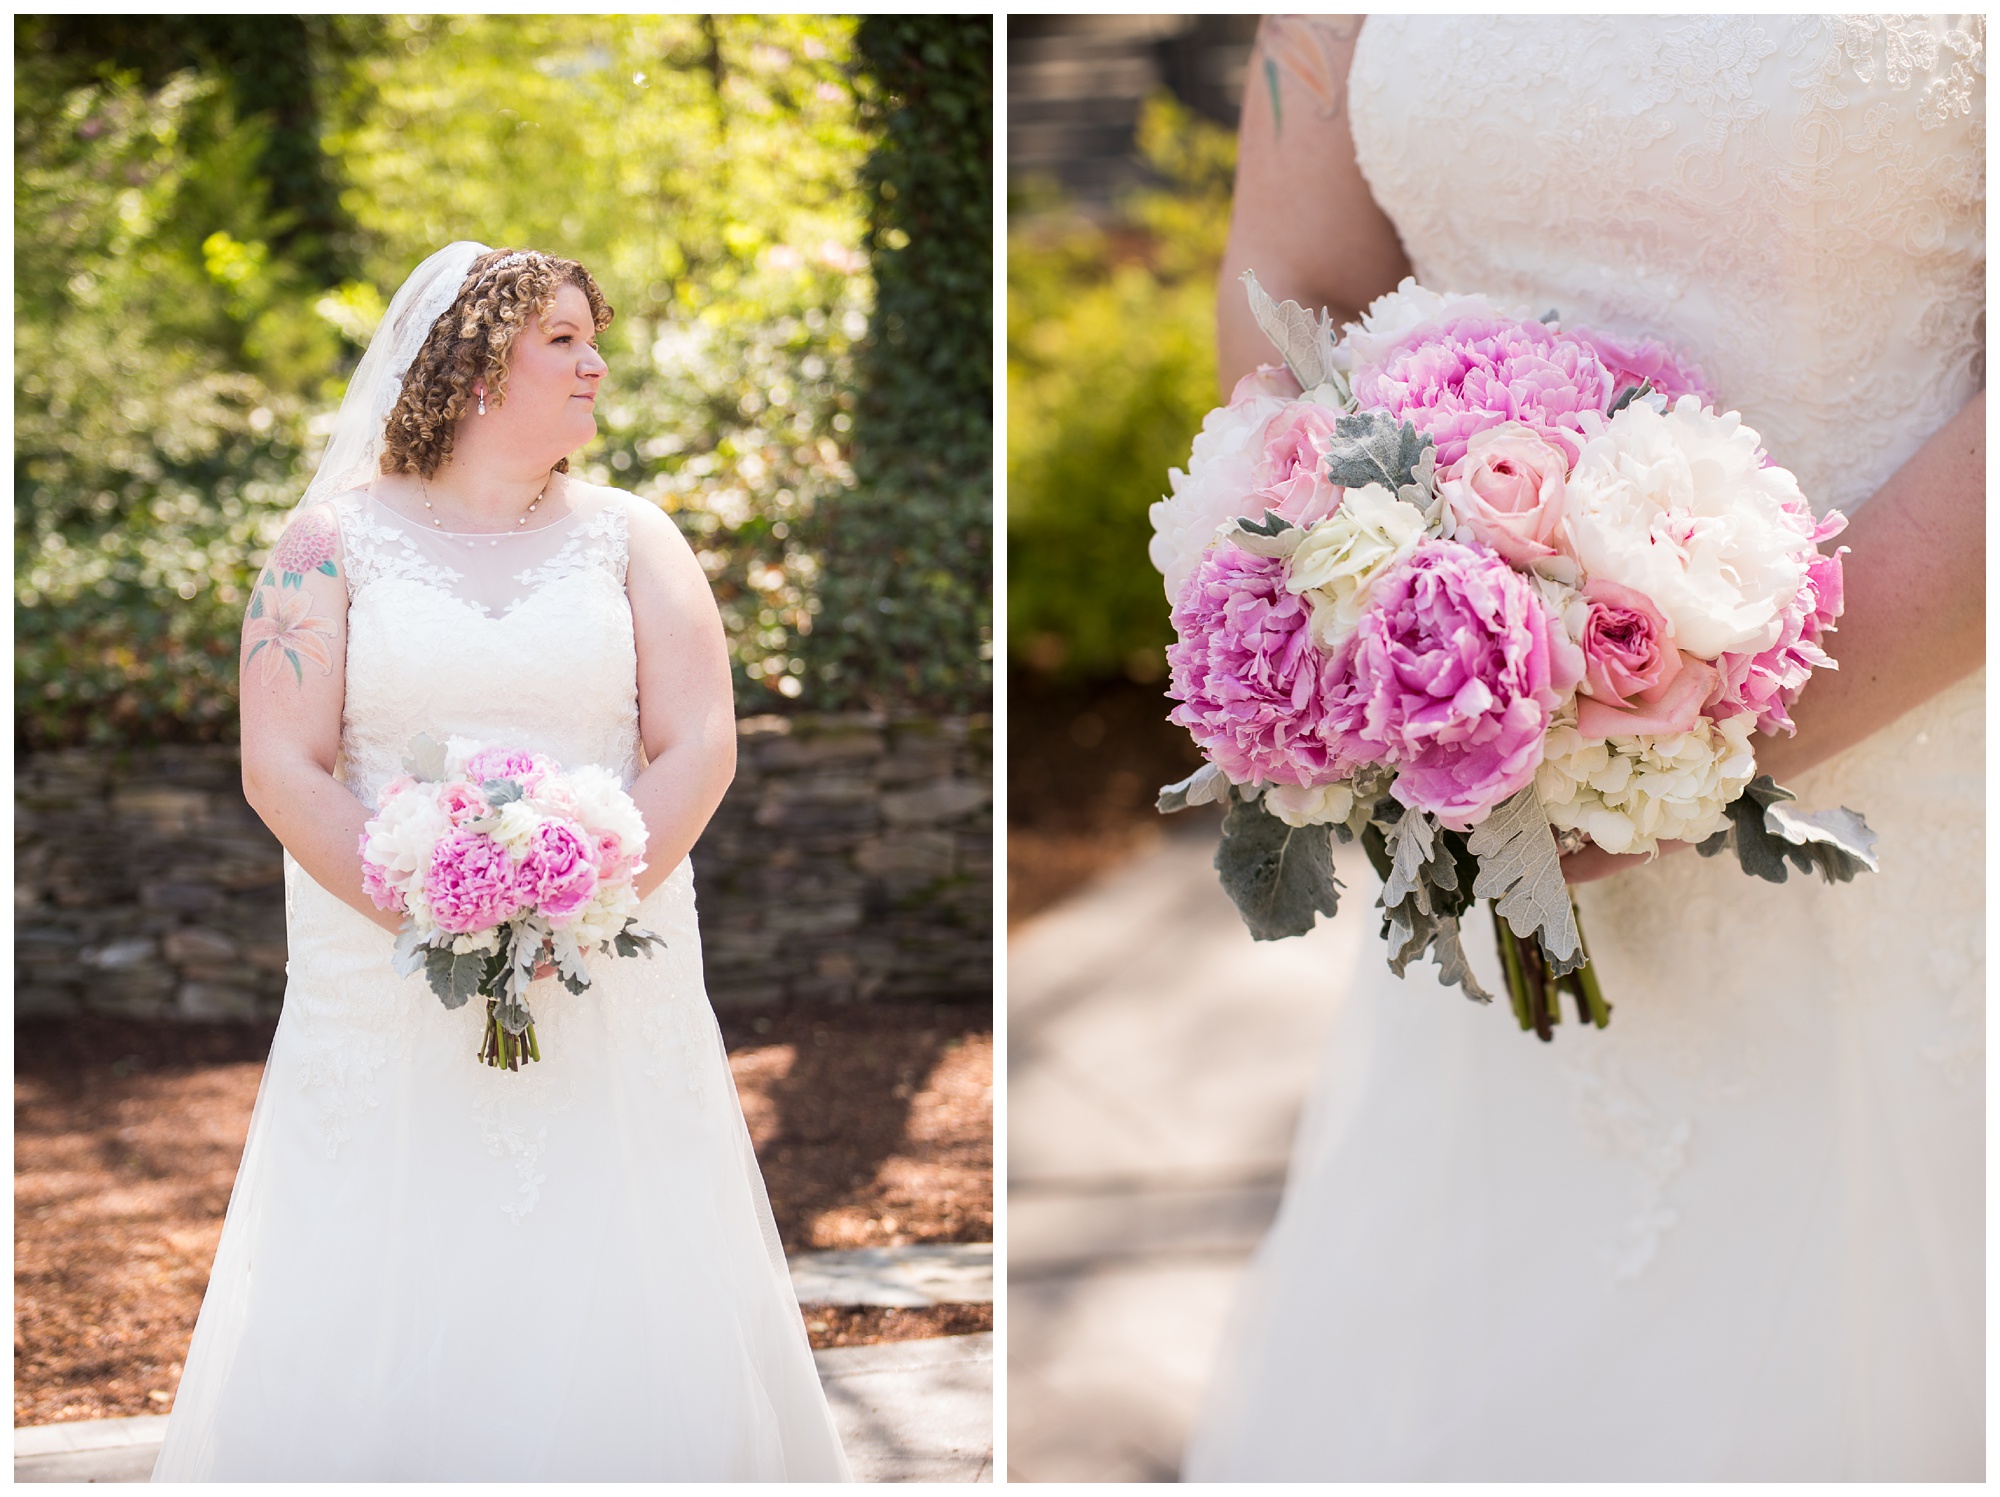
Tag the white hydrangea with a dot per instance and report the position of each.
(605, 916)
(1310, 805)
(1629, 794)
(1392, 318)
(1337, 563)
(1679, 507)
(1222, 472)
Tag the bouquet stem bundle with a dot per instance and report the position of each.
(508, 1051)
(1535, 991)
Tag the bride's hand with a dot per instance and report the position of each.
(1594, 862)
(547, 969)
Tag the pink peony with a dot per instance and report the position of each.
(1768, 682)
(528, 770)
(1508, 491)
(1646, 362)
(558, 871)
(473, 884)
(1456, 670)
(462, 801)
(1251, 682)
(1458, 378)
(385, 894)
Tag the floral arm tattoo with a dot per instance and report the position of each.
(1310, 49)
(282, 626)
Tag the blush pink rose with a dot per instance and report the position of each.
(558, 871)
(1508, 491)
(473, 884)
(462, 801)
(1292, 471)
(1635, 679)
(1266, 379)
(612, 863)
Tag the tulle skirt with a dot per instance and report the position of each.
(1740, 1234)
(436, 1271)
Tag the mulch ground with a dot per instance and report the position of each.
(1084, 766)
(874, 1126)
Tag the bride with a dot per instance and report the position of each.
(433, 1270)
(1739, 1234)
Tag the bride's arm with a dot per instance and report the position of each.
(293, 677)
(1303, 219)
(687, 710)
(1915, 620)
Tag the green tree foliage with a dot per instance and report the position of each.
(1110, 369)
(906, 599)
(188, 304)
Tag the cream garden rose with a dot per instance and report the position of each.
(1338, 560)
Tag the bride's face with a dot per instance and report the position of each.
(554, 371)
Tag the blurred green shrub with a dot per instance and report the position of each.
(907, 592)
(1110, 369)
(164, 364)
(177, 364)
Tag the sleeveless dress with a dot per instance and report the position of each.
(1740, 1233)
(433, 1270)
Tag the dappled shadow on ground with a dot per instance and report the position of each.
(874, 1125)
(1084, 765)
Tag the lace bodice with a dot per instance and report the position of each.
(1796, 202)
(521, 639)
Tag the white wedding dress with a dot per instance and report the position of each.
(1740, 1233)
(433, 1270)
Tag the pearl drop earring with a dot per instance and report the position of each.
(482, 402)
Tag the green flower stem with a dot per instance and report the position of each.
(1510, 960)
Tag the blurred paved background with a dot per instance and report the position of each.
(1158, 1060)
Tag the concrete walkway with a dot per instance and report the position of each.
(1158, 1059)
(906, 1410)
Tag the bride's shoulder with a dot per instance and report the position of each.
(646, 523)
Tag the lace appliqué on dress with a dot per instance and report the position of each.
(599, 544)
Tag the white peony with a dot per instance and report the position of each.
(1392, 318)
(1631, 793)
(1678, 507)
(1310, 805)
(402, 834)
(603, 805)
(1335, 566)
(1221, 474)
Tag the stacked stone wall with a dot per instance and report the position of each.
(851, 861)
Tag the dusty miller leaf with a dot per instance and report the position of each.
(410, 949)
(1305, 342)
(425, 759)
(1521, 872)
(500, 793)
(1451, 960)
(455, 979)
(1280, 877)
(1205, 787)
(1632, 393)
(1375, 447)
(1273, 536)
(1410, 843)
(1838, 842)
(1758, 852)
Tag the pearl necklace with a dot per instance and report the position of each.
(533, 505)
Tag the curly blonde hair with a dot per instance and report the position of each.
(471, 342)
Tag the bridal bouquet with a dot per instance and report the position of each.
(1478, 589)
(503, 861)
